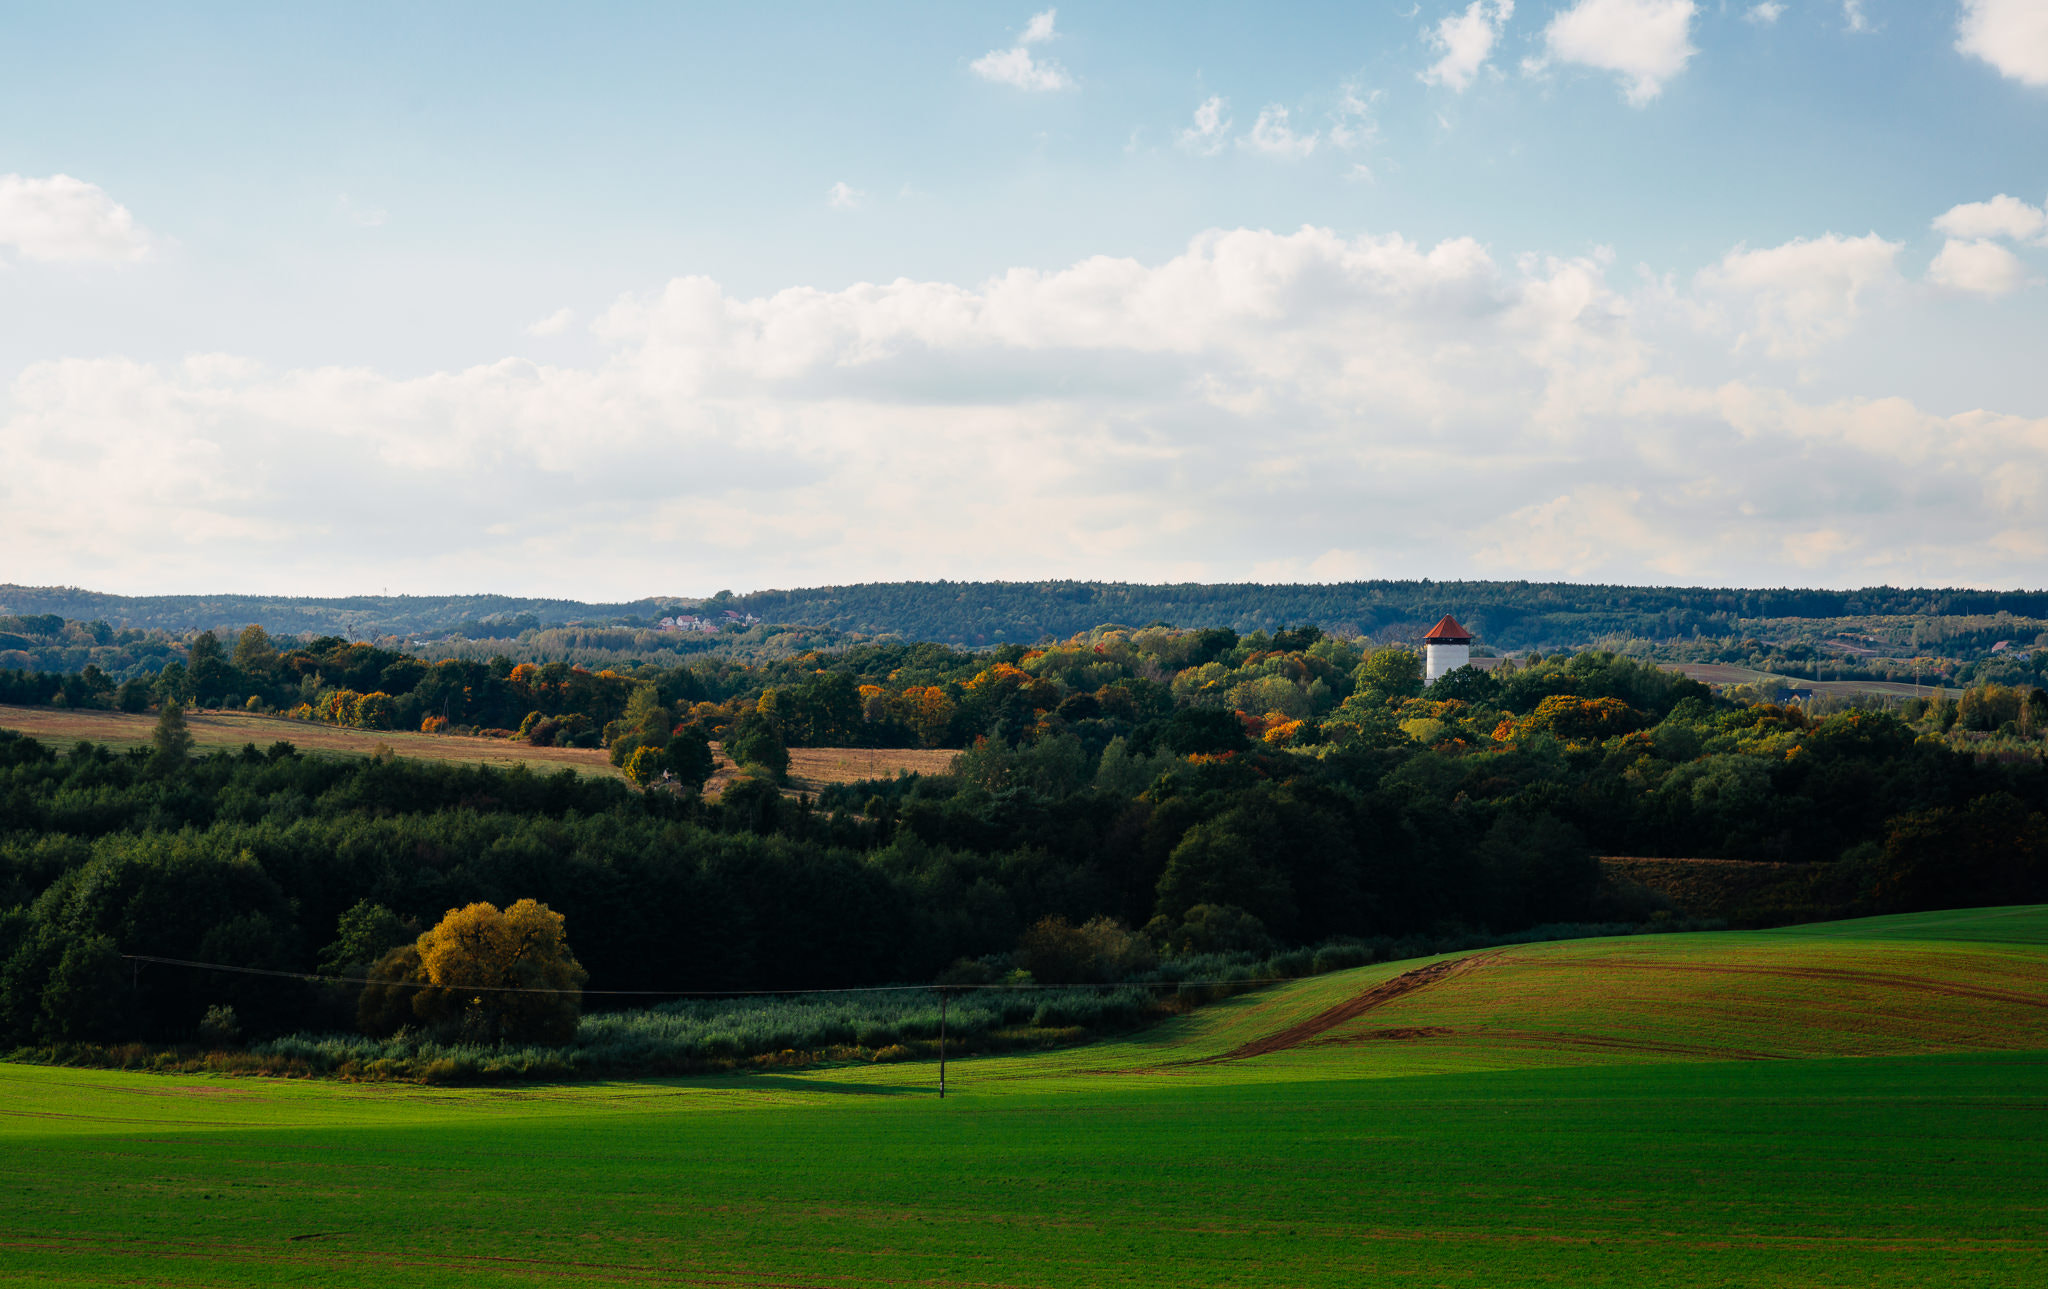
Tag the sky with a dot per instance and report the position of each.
(604, 301)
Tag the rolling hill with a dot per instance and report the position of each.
(1677, 1110)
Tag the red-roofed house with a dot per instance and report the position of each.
(1447, 647)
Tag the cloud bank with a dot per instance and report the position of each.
(1263, 404)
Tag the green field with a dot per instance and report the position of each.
(1855, 1104)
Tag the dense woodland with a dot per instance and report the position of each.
(1124, 797)
(1507, 615)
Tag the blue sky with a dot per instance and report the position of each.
(1644, 290)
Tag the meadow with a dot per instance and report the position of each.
(1848, 1104)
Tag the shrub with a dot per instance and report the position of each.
(219, 1027)
(1102, 949)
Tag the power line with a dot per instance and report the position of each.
(996, 986)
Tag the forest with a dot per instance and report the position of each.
(1507, 615)
(1136, 796)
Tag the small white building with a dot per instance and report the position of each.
(1447, 647)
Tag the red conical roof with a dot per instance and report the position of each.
(1448, 632)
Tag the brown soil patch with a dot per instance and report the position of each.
(1378, 996)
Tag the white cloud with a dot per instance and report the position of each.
(2011, 35)
(61, 218)
(1352, 124)
(1645, 42)
(553, 325)
(1799, 296)
(1211, 129)
(843, 196)
(1853, 17)
(1467, 40)
(2002, 216)
(1248, 403)
(1980, 267)
(1272, 136)
(1018, 66)
(1764, 14)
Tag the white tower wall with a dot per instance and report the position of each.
(1440, 658)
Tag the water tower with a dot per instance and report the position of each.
(1447, 647)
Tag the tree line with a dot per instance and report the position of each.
(1120, 795)
(1511, 615)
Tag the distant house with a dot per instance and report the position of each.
(1788, 695)
(686, 622)
(708, 626)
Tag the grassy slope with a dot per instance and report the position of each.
(1552, 1160)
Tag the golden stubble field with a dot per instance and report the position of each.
(815, 768)
(810, 768)
(210, 730)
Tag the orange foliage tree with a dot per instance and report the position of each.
(491, 976)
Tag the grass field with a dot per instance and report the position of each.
(1580, 1113)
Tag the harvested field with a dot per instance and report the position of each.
(810, 768)
(61, 727)
(1721, 673)
(813, 768)
(1700, 887)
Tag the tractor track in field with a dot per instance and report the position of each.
(1378, 996)
(1846, 975)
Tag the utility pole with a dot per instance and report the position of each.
(942, 1044)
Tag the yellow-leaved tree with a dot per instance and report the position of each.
(485, 976)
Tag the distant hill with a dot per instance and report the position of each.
(352, 617)
(1508, 615)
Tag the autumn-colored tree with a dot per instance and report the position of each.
(1578, 719)
(646, 764)
(927, 710)
(337, 706)
(376, 711)
(479, 963)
